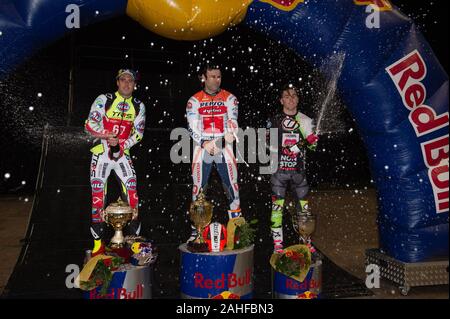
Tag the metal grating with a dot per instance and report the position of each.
(408, 275)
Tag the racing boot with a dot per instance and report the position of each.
(277, 224)
(277, 235)
(97, 230)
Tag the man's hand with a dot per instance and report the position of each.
(115, 152)
(229, 137)
(135, 214)
(312, 138)
(113, 140)
(211, 147)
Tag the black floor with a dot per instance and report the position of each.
(58, 232)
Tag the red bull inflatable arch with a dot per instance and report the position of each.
(391, 81)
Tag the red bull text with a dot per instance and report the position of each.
(408, 75)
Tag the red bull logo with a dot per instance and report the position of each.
(306, 284)
(226, 295)
(232, 280)
(379, 5)
(119, 293)
(97, 185)
(307, 295)
(408, 75)
(285, 5)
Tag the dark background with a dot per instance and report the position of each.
(168, 71)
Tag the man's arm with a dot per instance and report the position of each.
(137, 132)
(94, 123)
(309, 138)
(232, 123)
(193, 120)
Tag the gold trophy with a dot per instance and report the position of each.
(200, 214)
(118, 215)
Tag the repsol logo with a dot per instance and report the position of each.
(212, 103)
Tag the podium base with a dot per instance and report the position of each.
(216, 275)
(128, 282)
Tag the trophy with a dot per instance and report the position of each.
(118, 215)
(304, 224)
(200, 214)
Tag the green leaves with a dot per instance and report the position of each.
(245, 235)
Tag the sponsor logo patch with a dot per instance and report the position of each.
(141, 126)
(289, 124)
(131, 184)
(95, 116)
(97, 185)
(123, 106)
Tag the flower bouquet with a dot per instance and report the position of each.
(99, 272)
(294, 262)
(240, 234)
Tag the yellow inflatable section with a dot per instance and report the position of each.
(188, 19)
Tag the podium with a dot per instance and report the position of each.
(221, 275)
(128, 282)
(285, 287)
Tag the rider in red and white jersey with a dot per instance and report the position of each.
(212, 115)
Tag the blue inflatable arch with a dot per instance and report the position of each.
(392, 83)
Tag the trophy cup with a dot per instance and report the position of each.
(304, 224)
(200, 214)
(118, 215)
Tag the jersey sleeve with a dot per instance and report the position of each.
(307, 125)
(232, 112)
(194, 120)
(137, 132)
(94, 124)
